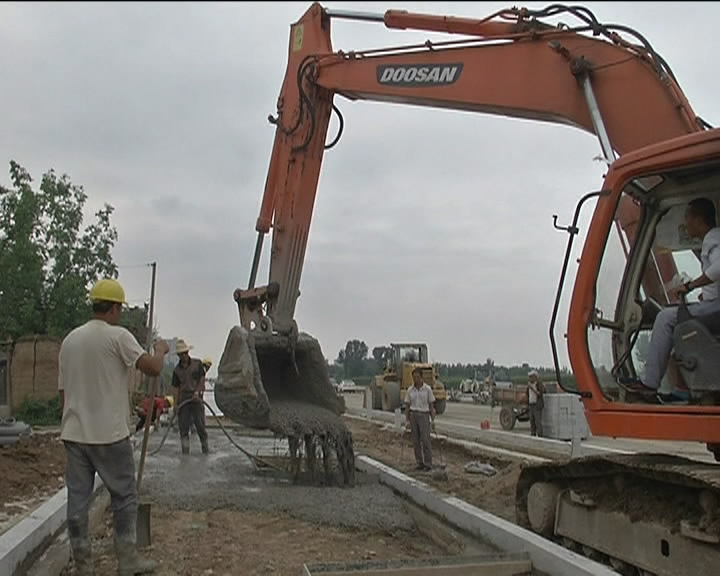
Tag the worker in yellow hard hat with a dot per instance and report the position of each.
(96, 361)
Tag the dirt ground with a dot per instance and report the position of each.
(495, 494)
(32, 469)
(229, 542)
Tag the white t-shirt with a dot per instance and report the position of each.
(532, 395)
(420, 400)
(96, 360)
(710, 260)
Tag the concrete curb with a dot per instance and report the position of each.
(57, 556)
(546, 556)
(25, 538)
(468, 445)
(541, 447)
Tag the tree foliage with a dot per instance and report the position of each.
(48, 260)
(353, 357)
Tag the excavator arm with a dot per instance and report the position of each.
(513, 64)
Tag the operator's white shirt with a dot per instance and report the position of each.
(710, 260)
(419, 399)
(96, 360)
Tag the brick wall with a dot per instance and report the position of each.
(34, 369)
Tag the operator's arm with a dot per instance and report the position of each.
(712, 272)
(431, 402)
(132, 354)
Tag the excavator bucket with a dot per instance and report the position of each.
(264, 383)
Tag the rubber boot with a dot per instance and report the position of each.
(81, 548)
(204, 445)
(82, 557)
(185, 444)
(130, 562)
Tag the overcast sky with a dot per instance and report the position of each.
(429, 225)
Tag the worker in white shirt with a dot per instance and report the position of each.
(95, 361)
(420, 416)
(700, 222)
(536, 403)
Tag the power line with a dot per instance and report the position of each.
(127, 266)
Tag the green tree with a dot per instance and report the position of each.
(47, 259)
(353, 358)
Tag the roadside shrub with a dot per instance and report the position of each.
(40, 412)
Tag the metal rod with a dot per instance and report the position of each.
(355, 15)
(597, 120)
(256, 261)
(151, 311)
(572, 231)
(153, 382)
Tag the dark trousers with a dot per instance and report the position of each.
(535, 411)
(192, 412)
(115, 465)
(420, 430)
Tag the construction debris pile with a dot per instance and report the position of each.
(263, 383)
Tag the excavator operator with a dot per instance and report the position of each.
(700, 223)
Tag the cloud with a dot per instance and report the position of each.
(428, 225)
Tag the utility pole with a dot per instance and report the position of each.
(152, 391)
(151, 312)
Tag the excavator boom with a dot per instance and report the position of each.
(515, 65)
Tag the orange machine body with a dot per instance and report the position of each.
(513, 65)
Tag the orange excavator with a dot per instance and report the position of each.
(641, 513)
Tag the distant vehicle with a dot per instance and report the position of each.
(349, 386)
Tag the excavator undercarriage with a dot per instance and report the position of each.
(643, 514)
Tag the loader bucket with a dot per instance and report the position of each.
(259, 386)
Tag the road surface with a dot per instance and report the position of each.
(468, 415)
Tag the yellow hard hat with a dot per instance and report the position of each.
(207, 361)
(107, 290)
(170, 400)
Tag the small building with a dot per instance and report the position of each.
(28, 369)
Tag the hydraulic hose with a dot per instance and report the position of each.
(252, 457)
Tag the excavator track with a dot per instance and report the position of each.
(643, 514)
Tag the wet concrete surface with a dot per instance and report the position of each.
(226, 479)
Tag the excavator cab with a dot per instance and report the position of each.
(648, 254)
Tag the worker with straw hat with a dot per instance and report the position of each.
(95, 363)
(188, 380)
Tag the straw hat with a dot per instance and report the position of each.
(181, 346)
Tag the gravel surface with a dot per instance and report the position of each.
(225, 479)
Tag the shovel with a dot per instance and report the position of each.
(143, 513)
